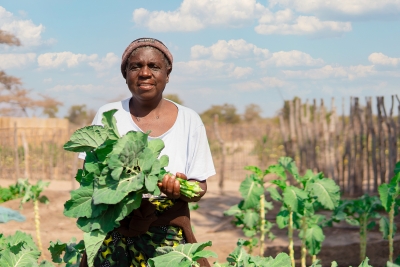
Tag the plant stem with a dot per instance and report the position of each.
(37, 225)
(314, 258)
(303, 241)
(262, 226)
(363, 237)
(290, 235)
(390, 237)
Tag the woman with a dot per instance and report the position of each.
(163, 220)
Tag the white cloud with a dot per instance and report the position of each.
(381, 59)
(228, 49)
(291, 59)
(273, 82)
(105, 63)
(54, 60)
(78, 87)
(204, 68)
(328, 71)
(263, 83)
(47, 80)
(240, 72)
(347, 7)
(301, 25)
(25, 30)
(8, 61)
(194, 15)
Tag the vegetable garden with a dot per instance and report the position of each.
(275, 200)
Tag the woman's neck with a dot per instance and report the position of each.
(142, 108)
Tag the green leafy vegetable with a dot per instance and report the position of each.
(117, 172)
(181, 255)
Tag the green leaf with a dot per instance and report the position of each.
(251, 218)
(114, 191)
(21, 258)
(282, 218)
(81, 204)
(384, 227)
(56, 249)
(391, 264)
(251, 190)
(255, 170)
(156, 145)
(164, 161)
(280, 183)
(21, 237)
(314, 239)
(290, 166)
(386, 193)
(274, 193)
(233, 211)
(110, 124)
(397, 168)
(86, 139)
(294, 199)
(365, 263)
(181, 255)
(279, 170)
(327, 192)
(281, 260)
(93, 241)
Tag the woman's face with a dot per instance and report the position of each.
(147, 74)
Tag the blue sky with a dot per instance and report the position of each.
(228, 51)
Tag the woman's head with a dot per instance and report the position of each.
(146, 70)
(149, 43)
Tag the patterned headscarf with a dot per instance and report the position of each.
(143, 42)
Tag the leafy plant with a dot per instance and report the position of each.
(299, 205)
(117, 171)
(72, 252)
(240, 258)
(250, 212)
(11, 192)
(361, 212)
(389, 196)
(7, 214)
(33, 193)
(19, 250)
(182, 255)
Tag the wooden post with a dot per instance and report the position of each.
(331, 145)
(16, 157)
(223, 154)
(26, 155)
(381, 142)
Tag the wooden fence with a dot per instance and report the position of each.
(32, 148)
(358, 150)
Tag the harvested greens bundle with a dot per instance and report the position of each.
(117, 171)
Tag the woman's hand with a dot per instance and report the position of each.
(170, 186)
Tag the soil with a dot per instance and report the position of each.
(341, 243)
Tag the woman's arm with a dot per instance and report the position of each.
(171, 187)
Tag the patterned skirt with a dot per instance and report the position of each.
(118, 250)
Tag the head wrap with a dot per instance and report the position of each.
(143, 42)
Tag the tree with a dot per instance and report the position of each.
(226, 113)
(14, 99)
(252, 113)
(80, 115)
(175, 98)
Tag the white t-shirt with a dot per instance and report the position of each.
(185, 142)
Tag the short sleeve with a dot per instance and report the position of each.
(200, 163)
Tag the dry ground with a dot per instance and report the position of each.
(341, 243)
